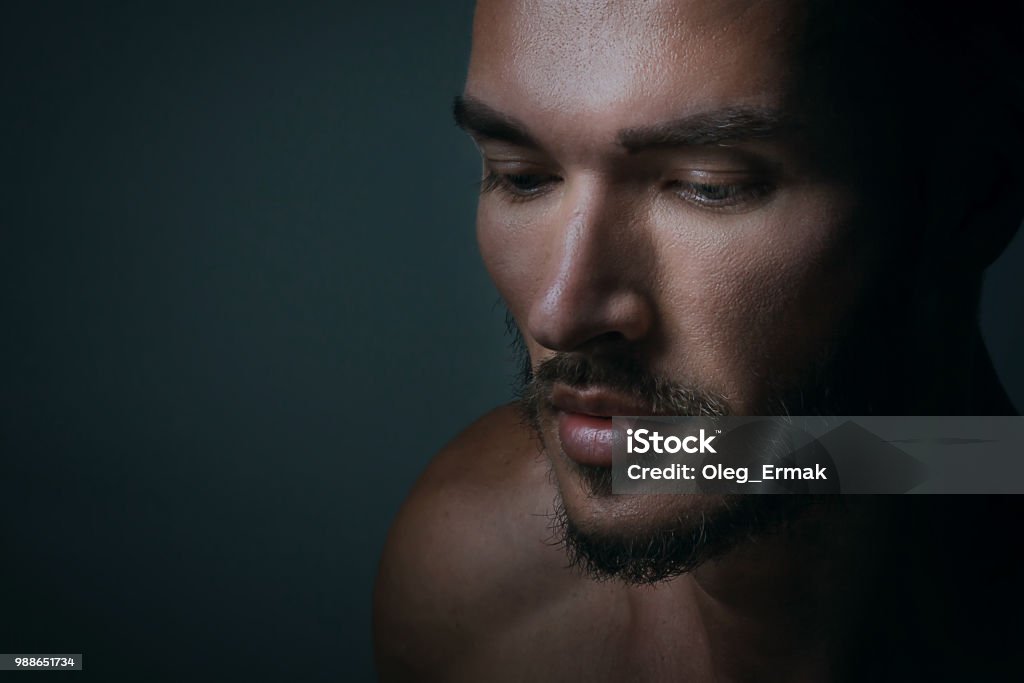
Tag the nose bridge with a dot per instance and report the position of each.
(591, 285)
(584, 234)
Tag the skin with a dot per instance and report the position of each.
(730, 266)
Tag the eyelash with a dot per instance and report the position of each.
(720, 196)
(519, 187)
(512, 184)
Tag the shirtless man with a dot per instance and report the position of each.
(718, 207)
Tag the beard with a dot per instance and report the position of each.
(646, 554)
(640, 539)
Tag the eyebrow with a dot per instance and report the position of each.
(480, 120)
(718, 127)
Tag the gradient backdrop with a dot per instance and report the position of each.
(241, 307)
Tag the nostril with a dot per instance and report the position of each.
(621, 319)
(605, 343)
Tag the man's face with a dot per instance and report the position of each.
(670, 209)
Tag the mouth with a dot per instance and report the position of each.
(585, 421)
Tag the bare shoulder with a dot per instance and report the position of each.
(469, 551)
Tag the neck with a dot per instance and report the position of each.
(793, 605)
(784, 607)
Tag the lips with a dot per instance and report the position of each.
(585, 422)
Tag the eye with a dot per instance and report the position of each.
(734, 196)
(518, 185)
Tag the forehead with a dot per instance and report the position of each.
(616, 64)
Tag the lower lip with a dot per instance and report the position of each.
(586, 439)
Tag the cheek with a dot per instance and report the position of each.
(764, 295)
(512, 254)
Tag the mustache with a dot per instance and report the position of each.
(622, 373)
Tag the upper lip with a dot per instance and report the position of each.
(595, 401)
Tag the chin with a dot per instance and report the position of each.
(646, 539)
(595, 509)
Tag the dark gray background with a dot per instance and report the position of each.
(241, 308)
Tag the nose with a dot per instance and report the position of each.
(596, 279)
